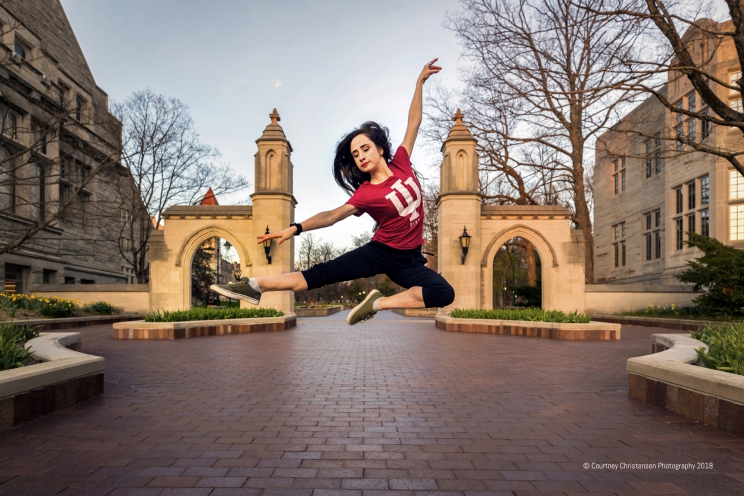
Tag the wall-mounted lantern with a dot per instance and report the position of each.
(267, 246)
(464, 243)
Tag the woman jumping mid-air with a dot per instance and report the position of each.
(385, 186)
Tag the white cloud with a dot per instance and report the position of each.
(276, 83)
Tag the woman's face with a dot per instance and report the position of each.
(366, 155)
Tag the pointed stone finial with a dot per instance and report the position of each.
(275, 117)
(459, 129)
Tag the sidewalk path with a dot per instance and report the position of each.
(389, 407)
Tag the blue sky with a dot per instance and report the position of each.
(327, 66)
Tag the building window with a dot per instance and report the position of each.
(678, 200)
(63, 90)
(657, 148)
(649, 158)
(679, 127)
(79, 104)
(619, 175)
(38, 200)
(11, 125)
(736, 185)
(705, 223)
(705, 124)
(7, 183)
(704, 190)
(647, 236)
(692, 123)
(678, 233)
(20, 50)
(690, 225)
(737, 222)
(691, 196)
(657, 243)
(619, 244)
(653, 235)
(734, 78)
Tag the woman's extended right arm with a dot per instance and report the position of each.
(317, 221)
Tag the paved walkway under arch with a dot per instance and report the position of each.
(393, 406)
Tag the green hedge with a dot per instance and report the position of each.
(211, 314)
(530, 314)
(725, 347)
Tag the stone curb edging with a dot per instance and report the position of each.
(317, 312)
(667, 379)
(677, 324)
(66, 378)
(73, 322)
(139, 329)
(592, 331)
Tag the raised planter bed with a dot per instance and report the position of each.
(73, 322)
(416, 312)
(592, 331)
(65, 378)
(317, 312)
(139, 329)
(678, 324)
(668, 379)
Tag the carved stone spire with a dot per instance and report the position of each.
(273, 130)
(459, 130)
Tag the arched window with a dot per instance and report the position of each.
(20, 50)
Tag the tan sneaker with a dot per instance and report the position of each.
(364, 310)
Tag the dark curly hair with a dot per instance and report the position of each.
(345, 170)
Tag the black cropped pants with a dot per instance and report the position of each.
(404, 267)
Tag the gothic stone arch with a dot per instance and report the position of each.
(560, 250)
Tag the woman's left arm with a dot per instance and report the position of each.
(415, 113)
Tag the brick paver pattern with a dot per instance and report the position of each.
(393, 406)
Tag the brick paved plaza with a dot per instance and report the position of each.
(393, 406)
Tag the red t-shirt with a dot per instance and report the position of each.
(396, 204)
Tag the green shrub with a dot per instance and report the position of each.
(693, 312)
(100, 308)
(211, 314)
(720, 272)
(529, 314)
(725, 347)
(12, 354)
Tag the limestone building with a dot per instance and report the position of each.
(57, 137)
(650, 190)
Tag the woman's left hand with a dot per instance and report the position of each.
(428, 70)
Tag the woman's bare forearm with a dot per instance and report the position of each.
(319, 221)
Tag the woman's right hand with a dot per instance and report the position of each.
(282, 235)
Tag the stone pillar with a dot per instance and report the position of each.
(459, 207)
(273, 207)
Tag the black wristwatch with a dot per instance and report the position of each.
(298, 226)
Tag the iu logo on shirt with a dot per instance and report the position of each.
(411, 204)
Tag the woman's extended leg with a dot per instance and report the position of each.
(293, 281)
(411, 298)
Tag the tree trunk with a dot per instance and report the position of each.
(529, 252)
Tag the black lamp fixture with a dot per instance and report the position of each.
(267, 246)
(227, 245)
(464, 243)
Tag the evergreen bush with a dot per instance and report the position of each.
(719, 272)
(528, 314)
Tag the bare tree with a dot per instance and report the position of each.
(545, 78)
(168, 164)
(685, 43)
